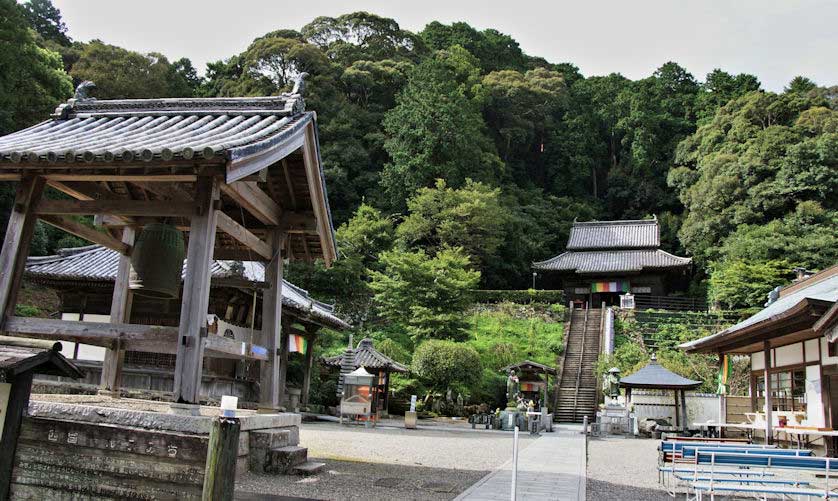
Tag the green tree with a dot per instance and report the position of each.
(34, 81)
(443, 364)
(441, 217)
(745, 284)
(493, 49)
(45, 19)
(427, 294)
(123, 74)
(436, 130)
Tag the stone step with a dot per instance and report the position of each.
(284, 459)
(308, 468)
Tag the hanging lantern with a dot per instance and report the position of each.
(157, 261)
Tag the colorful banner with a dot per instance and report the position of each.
(297, 344)
(724, 374)
(615, 286)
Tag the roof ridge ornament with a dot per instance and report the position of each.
(83, 89)
(299, 84)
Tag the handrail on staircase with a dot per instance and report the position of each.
(560, 372)
(581, 362)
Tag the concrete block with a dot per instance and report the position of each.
(410, 420)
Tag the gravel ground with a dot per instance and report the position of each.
(625, 469)
(373, 464)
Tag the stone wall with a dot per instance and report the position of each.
(68, 451)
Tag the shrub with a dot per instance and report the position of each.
(519, 296)
(441, 364)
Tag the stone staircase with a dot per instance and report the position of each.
(577, 396)
(277, 451)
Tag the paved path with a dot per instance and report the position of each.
(553, 467)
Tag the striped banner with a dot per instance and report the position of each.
(297, 344)
(536, 386)
(615, 286)
(725, 367)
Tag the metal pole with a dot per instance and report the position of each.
(514, 465)
(585, 425)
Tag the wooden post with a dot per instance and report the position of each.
(223, 449)
(193, 311)
(17, 405)
(684, 418)
(16, 243)
(283, 363)
(307, 367)
(722, 402)
(769, 413)
(269, 397)
(111, 379)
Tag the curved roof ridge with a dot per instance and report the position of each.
(616, 221)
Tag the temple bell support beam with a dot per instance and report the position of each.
(111, 379)
(196, 288)
(16, 242)
(269, 372)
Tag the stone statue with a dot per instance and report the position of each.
(300, 84)
(511, 386)
(83, 89)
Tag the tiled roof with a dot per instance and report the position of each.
(98, 264)
(368, 357)
(637, 234)
(93, 130)
(615, 261)
(42, 357)
(655, 375)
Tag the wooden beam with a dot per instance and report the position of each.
(196, 286)
(111, 378)
(243, 235)
(95, 333)
(291, 193)
(255, 201)
(90, 234)
(224, 254)
(158, 208)
(170, 191)
(221, 347)
(19, 231)
(269, 395)
(128, 178)
(317, 196)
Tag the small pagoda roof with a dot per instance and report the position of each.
(530, 366)
(365, 355)
(19, 355)
(655, 376)
(94, 264)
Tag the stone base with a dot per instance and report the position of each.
(184, 409)
(410, 420)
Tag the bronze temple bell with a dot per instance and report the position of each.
(157, 261)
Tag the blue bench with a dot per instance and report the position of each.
(673, 450)
(765, 460)
(690, 451)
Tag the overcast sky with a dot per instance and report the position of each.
(775, 40)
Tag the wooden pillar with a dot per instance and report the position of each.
(307, 367)
(16, 243)
(269, 396)
(722, 402)
(387, 391)
(111, 379)
(283, 363)
(222, 452)
(193, 311)
(546, 385)
(18, 403)
(769, 414)
(684, 416)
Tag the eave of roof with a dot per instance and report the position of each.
(613, 261)
(654, 375)
(621, 234)
(529, 364)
